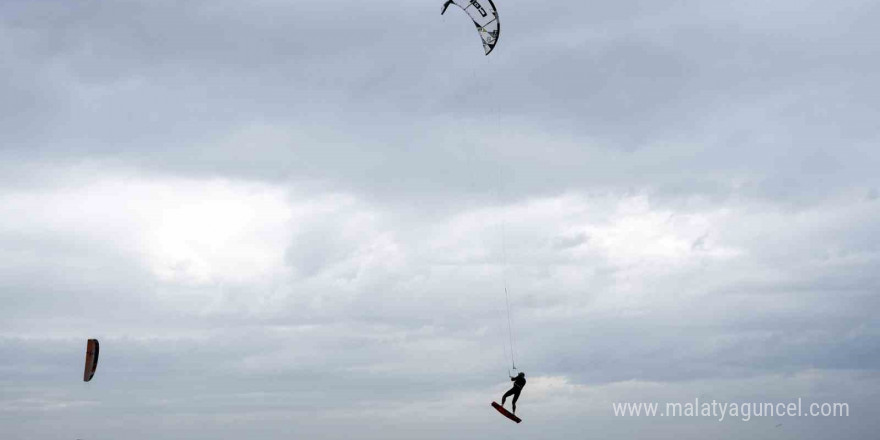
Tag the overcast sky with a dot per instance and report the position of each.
(296, 219)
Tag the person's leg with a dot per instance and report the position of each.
(509, 392)
(515, 396)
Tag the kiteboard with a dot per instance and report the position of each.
(506, 413)
(91, 359)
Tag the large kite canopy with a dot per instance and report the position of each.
(485, 17)
(91, 359)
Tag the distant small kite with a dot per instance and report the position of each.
(91, 359)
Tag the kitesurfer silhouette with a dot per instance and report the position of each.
(518, 383)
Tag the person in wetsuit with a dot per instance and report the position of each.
(518, 383)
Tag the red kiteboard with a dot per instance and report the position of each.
(506, 413)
